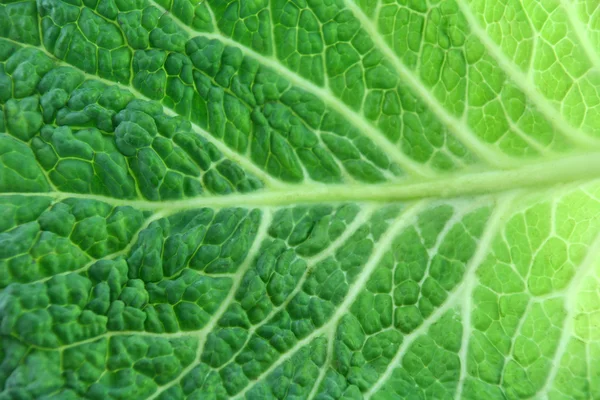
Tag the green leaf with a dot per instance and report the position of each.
(299, 199)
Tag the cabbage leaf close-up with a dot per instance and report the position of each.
(299, 199)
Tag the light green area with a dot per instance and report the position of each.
(299, 199)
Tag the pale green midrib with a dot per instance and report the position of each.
(577, 25)
(457, 126)
(383, 143)
(520, 79)
(537, 175)
(227, 152)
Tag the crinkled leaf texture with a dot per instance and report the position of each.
(299, 199)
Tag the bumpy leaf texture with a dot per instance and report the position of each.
(299, 199)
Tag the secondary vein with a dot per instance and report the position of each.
(460, 129)
(238, 158)
(355, 118)
(542, 104)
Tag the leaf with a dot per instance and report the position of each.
(299, 199)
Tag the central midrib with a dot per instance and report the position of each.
(535, 175)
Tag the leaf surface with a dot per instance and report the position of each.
(299, 199)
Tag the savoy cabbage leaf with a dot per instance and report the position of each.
(299, 199)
